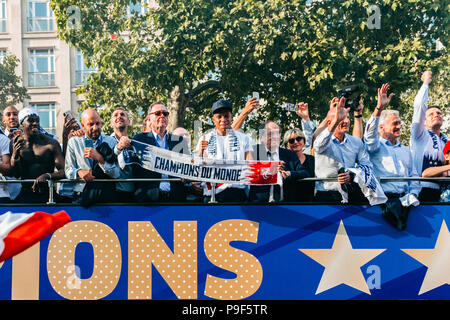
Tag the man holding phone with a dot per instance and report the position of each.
(34, 156)
(91, 157)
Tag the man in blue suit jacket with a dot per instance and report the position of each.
(290, 169)
(159, 136)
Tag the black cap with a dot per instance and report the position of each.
(221, 104)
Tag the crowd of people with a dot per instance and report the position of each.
(328, 151)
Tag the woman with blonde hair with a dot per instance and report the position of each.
(294, 140)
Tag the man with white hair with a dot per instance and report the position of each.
(427, 140)
(391, 159)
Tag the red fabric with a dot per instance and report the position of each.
(447, 148)
(36, 228)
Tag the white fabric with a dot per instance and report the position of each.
(370, 186)
(26, 112)
(223, 152)
(4, 150)
(409, 200)
(8, 222)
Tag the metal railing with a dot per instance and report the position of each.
(52, 183)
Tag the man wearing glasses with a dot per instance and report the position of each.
(290, 169)
(163, 191)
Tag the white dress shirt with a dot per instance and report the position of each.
(390, 160)
(331, 155)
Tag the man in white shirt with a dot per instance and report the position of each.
(427, 140)
(335, 151)
(10, 118)
(159, 136)
(91, 157)
(391, 159)
(223, 143)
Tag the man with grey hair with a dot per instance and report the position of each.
(391, 159)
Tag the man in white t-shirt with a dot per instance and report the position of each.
(224, 143)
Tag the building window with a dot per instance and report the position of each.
(2, 55)
(41, 68)
(40, 17)
(2, 16)
(82, 72)
(47, 116)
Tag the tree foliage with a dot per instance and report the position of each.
(189, 53)
(11, 89)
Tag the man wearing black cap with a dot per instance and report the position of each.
(224, 143)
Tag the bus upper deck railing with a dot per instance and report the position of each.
(52, 182)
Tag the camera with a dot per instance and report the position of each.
(352, 96)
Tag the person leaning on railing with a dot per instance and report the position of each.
(391, 159)
(427, 139)
(91, 157)
(441, 171)
(35, 156)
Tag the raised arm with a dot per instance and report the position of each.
(358, 122)
(420, 107)
(251, 105)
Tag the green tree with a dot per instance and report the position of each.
(11, 89)
(189, 53)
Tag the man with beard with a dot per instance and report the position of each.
(427, 141)
(35, 156)
(120, 122)
(91, 157)
(335, 152)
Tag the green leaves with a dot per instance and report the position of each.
(288, 51)
(11, 89)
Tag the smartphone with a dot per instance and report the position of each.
(70, 116)
(89, 143)
(289, 106)
(255, 95)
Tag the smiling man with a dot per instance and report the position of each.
(389, 157)
(335, 152)
(427, 141)
(35, 156)
(159, 136)
(223, 143)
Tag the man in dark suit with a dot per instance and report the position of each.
(290, 168)
(172, 191)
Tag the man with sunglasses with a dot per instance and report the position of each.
(163, 191)
(290, 169)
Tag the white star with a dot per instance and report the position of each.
(342, 263)
(437, 260)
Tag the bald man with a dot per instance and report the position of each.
(91, 157)
(10, 118)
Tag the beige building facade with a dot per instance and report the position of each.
(51, 70)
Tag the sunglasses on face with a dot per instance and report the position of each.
(292, 140)
(158, 113)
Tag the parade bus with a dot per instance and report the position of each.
(232, 251)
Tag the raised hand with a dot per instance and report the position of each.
(251, 105)
(383, 98)
(427, 77)
(303, 111)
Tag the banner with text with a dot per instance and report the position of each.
(195, 168)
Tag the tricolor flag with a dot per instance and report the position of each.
(19, 231)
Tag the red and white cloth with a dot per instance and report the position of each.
(19, 231)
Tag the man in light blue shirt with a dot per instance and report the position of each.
(389, 157)
(427, 140)
(92, 157)
(335, 152)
